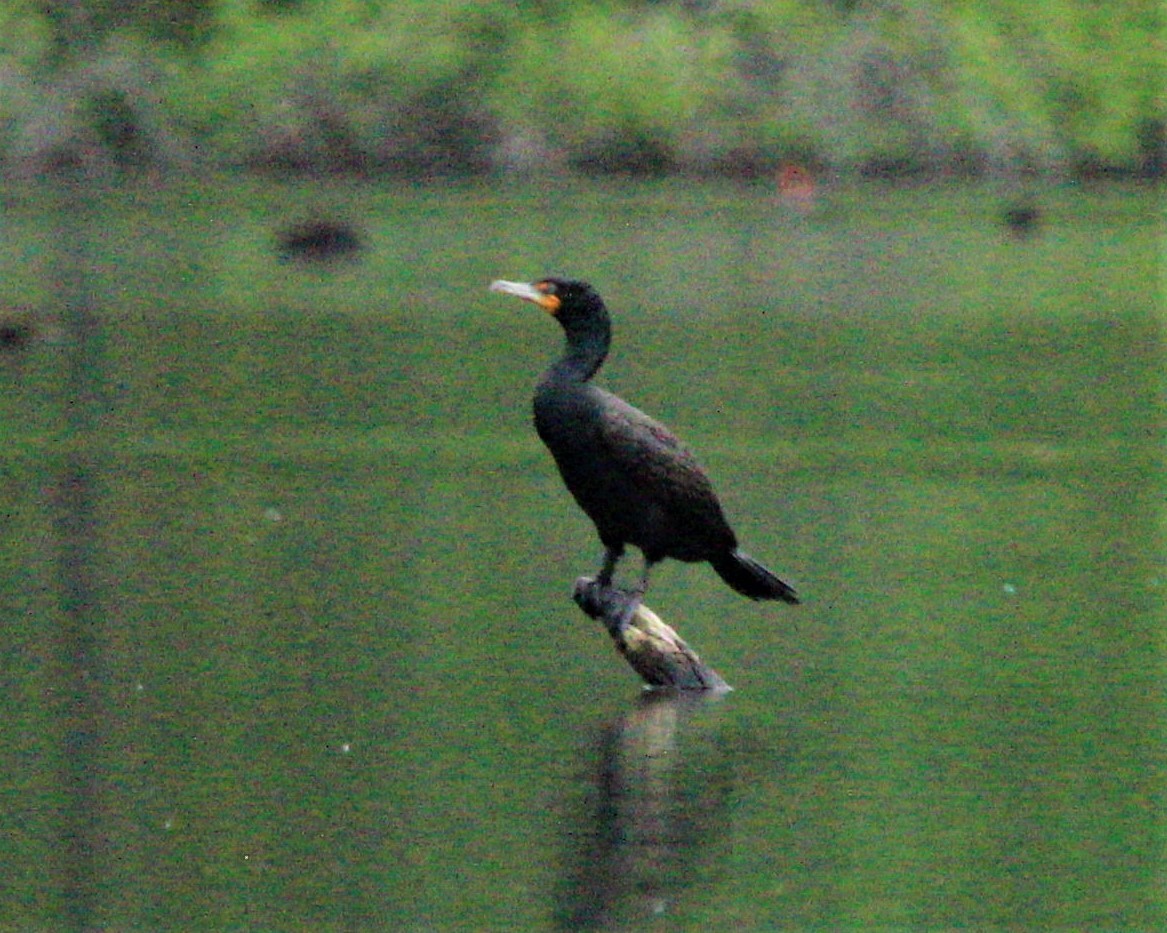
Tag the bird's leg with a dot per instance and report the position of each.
(642, 586)
(635, 596)
(611, 556)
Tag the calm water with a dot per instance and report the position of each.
(286, 573)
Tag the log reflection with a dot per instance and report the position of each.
(78, 669)
(655, 811)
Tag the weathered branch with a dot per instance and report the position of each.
(654, 650)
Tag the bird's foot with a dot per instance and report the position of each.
(616, 607)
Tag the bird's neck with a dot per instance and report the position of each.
(586, 351)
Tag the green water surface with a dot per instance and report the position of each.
(285, 571)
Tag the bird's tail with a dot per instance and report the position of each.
(750, 578)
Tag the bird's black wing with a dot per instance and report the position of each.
(655, 461)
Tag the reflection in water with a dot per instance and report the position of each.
(656, 805)
(78, 657)
(78, 683)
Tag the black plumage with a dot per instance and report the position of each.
(632, 476)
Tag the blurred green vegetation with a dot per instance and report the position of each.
(424, 87)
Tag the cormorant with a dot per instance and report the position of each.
(627, 471)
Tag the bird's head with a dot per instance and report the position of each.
(580, 312)
(567, 300)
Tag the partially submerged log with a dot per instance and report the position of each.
(17, 331)
(653, 649)
(319, 240)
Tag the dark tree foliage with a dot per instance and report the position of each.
(78, 25)
(607, 86)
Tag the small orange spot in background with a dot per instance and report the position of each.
(796, 186)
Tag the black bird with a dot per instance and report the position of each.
(628, 472)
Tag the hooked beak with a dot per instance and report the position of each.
(528, 292)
